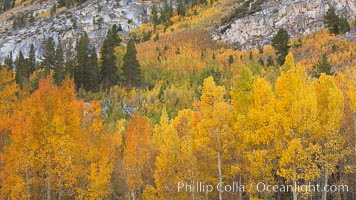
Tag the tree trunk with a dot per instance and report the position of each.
(295, 193)
(193, 193)
(219, 167)
(133, 195)
(325, 177)
(48, 188)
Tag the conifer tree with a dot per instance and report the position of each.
(181, 8)
(32, 59)
(155, 18)
(331, 20)
(280, 44)
(131, 66)
(93, 79)
(109, 74)
(48, 61)
(20, 69)
(8, 61)
(334, 23)
(323, 66)
(59, 64)
(81, 71)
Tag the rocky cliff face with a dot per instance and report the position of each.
(68, 25)
(298, 17)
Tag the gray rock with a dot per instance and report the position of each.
(60, 26)
(298, 17)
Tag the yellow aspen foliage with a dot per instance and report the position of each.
(149, 193)
(297, 107)
(330, 111)
(212, 131)
(8, 102)
(185, 127)
(167, 164)
(289, 64)
(40, 153)
(161, 130)
(240, 93)
(137, 154)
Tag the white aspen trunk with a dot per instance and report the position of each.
(219, 166)
(325, 176)
(48, 188)
(295, 194)
(193, 194)
(133, 195)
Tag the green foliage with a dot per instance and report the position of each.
(231, 59)
(20, 70)
(131, 67)
(59, 64)
(8, 61)
(22, 19)
(86, 71)
(49, 54)
(323, 66)
(334, 23)
(32, 59)
(6, 5)
(109, 75)
(280, 44)
(181, 8)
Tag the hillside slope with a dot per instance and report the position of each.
(67, 25)
(262, 21)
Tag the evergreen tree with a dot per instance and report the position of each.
(59, 64)
(344, 25)
(61, 3)
(332, 21)
(32, 59)
(131, 66)
(6, 5)
(115, 40)
(155, 18)
(181, 8)
(20, 70)
(8, 61)
(109, 75)
(93, 79)
(69, 66)
(280, 44)
(270, 61)
(81, 72)
(323, 66)
(48, 61)
(231, 59)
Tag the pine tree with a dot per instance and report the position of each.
(8, 61)
(20, 70)
(155, 18)
(81, 70)
(131, 66)
(280, 44)
(231, 59)
(69, 66)
(181, 8)
(344, 25)
(109, 74)
(93, 79)
(331, 20)
(323, 66)
(48, 61)
(32, 59)
(59, 64)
